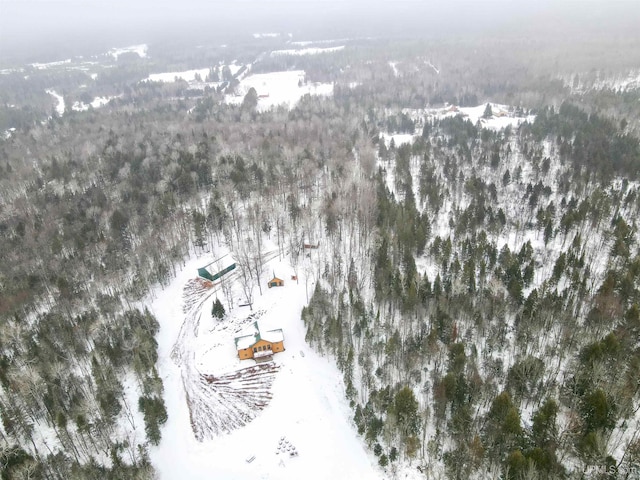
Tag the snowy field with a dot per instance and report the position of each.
(306, 43)
(140, 50)
(234, 68)
(59, 101)
(44, 66)
(9, 71)
(503, 115)
(97, 102)
(398, 138)
(266, 35)
(307, 51)
(278, 88)
(307, 409)
(187, 75)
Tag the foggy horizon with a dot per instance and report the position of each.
(39, 29)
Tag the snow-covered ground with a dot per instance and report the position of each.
(187, 75)
(307, 406)
(9, 71)
(266, 35)
(75, 64)
(59, 98)
(503, 115)
(278, 88)
(44, 66)
(140, 50)
(307, 51)
(234, 67)
(305, 43)
(601, 81)
(394, 68)
(398, 138)
(437, 70)
(95, 103)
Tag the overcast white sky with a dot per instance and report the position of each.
(28, 24)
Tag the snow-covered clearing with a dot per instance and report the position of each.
(278, 88)
(398, 138)
(187, 75)
(97, 102)
(60, 99)
(266, 35)
(306, 403)
(307, 51)
(503, 115)
(140, 50)
(217, 73)
(305, 43)
(234, 68)
(44, 66)
(9, 71)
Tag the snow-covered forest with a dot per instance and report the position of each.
(476, 279)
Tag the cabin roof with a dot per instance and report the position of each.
(246, 341)
(253, 335)
(228, 260)
(273, 335)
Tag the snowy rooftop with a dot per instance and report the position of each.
(253, 334)
(273, 335)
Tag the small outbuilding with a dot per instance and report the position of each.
(260, 345)
(276, 282)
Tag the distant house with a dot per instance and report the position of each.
(260, 345)
(275, 282)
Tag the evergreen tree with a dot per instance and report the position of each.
(488, 112)
(250, 101)
(217, 311)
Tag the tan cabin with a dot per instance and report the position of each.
(260, 345)
(275, 282)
